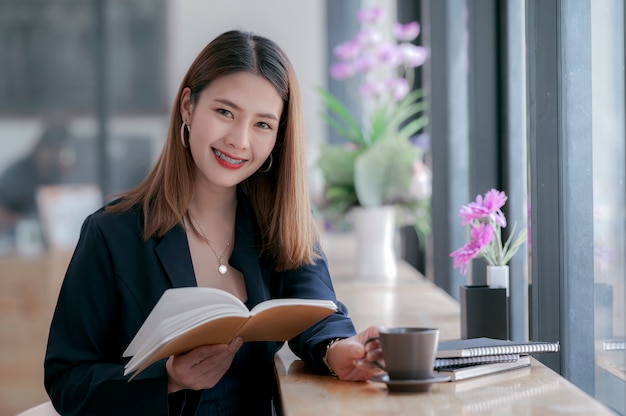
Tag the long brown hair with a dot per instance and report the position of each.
(279, 196)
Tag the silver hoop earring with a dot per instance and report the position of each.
(182, 134)
(271, 158)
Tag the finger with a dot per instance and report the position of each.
(357, 350)
(200, 356)
(197, 355)
(211, 370)
(371, 332)
(372, 344)
(369, 366)
(372, 340)
(235, 344)
(374, 355)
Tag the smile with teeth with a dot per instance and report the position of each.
(228, 159)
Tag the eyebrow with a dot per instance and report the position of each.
(236, 107)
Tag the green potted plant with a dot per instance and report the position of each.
(380, 163)
(379, 172)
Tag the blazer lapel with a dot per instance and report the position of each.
(174, 255)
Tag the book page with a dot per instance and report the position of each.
(175, 326)
(220, 331)
(283, 322)
(177, 301)
(271, 303)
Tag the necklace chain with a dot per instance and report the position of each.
(222, 268)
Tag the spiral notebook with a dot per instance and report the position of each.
(476, 347)
(482, 359)
(463, 372)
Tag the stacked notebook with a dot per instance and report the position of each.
(466, 358)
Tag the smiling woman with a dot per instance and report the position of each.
(236, 129)
(217, 210)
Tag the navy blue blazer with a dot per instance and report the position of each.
(112, 283)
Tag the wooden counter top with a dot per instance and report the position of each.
(413, 300)
(30, 285)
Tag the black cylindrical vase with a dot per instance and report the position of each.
(484, 312)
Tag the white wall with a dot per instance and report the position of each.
(297, 26)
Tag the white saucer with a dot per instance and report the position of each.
(409, 386)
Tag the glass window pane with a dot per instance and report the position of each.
(607, 32)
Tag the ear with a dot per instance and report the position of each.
(185, 105)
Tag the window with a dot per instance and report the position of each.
(571, 113)
(50, 55)
(609, 239)
(576, 141)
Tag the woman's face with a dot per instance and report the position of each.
(233, 125)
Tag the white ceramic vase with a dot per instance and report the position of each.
(375, 252)
(498, 276)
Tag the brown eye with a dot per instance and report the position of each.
(225, 112)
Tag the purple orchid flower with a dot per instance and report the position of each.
(412, 55)
(341, 70)
(368, 38)
(365, 63)
(374, 15)
(399, 88)
(347, 50)
(371, 89)
(406, 32)
(390, 55)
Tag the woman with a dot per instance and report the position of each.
(226, 206)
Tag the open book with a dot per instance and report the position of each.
(186, 318)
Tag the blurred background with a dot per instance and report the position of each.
(86, 89)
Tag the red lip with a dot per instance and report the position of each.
(226, 160)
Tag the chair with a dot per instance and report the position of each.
(43, 409)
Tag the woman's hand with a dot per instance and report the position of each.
(352, 360)
(200, 368)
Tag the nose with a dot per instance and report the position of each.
(238, 136)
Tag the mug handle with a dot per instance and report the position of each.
(376, 363)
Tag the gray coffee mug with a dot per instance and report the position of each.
(409, 352)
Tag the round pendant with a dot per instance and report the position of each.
(222, 269)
